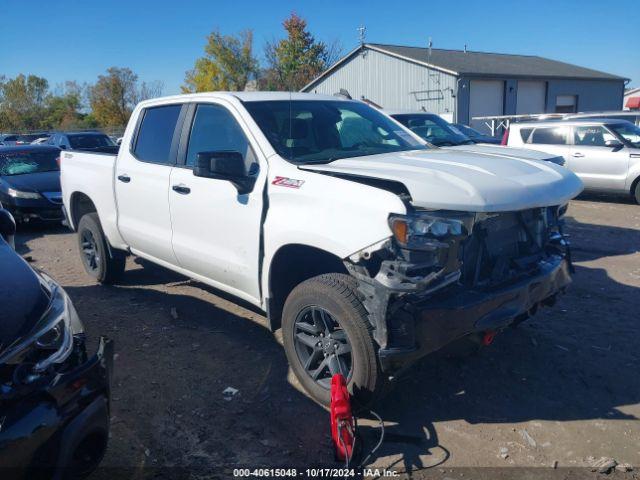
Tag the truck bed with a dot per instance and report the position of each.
(92, 174)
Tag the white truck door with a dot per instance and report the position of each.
(216, 230)
(597, 165)
(142, 183)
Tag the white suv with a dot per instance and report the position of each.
(604, 153)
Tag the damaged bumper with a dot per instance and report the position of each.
(424, 292)
(429, 325)
(61, 428)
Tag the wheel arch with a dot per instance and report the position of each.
(291, 265)
(634, 184)
(80, 204)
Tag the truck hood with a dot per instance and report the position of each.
(501, 151)
(464, 181)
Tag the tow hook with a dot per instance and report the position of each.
(487, 337)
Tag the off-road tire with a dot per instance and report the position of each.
(110, 265)
(337, 294)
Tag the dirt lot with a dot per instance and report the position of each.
(563, 387)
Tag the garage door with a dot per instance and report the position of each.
(487, 98)
(531, 97)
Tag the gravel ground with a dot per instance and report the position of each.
(560, 390)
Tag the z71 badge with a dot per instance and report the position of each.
(287, 182)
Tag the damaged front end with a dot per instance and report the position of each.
(444, 275)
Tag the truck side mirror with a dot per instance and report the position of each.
(615, 144)
(224, 165)
(7, 226)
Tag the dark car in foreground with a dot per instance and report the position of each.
(475, 135)
(54, 399)
(89, 141)
(30, 182)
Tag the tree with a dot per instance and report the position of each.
(23, 99)
(63, 109)
(228, 64)
(115, 94)
(297, 59)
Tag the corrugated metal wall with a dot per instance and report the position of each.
(392, 83)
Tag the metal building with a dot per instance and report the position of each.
(462, 84)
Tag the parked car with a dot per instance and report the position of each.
(439, 132)
(8, 139)
(367, 247)
(41, 140)
(30, 182)
(29, 138)
(54, 400)
(88, 141)
(475, 135)
(604, 153)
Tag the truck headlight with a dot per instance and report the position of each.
(22, 194)
(429, 229)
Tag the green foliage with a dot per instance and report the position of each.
(23, 100)
(114, 96)
(297, 59)
(228, 64)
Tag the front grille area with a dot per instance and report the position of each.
(503, 246)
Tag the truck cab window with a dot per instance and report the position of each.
(156, 134)
(215, 129)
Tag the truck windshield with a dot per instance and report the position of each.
(316, 131)
(23, 162)
(433, 129)
(629, 132)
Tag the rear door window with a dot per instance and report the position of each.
(155, 134)
(524, 134)
(549, 136)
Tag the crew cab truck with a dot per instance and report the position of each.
(369, 248)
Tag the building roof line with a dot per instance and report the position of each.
(377, 48)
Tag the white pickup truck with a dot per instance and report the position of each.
(369, 248)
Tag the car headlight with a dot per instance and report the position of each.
(22, 194)
(52, 339)
(422, 230)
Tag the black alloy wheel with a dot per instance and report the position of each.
(322, 346)
(90, 254)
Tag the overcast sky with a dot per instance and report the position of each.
(159, 40)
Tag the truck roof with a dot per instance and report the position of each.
(244, 97)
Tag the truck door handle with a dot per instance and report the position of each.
(182, 189)
(124, 178)
(578, 155)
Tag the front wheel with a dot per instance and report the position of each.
(326, 331)
(636, 193)
(99, 262)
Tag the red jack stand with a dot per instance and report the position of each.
(343, 430)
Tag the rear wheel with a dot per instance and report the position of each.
(98, 261)
(326, 331)
(636, 192)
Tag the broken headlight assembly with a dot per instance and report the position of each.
(51, 341)
(421, 230)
